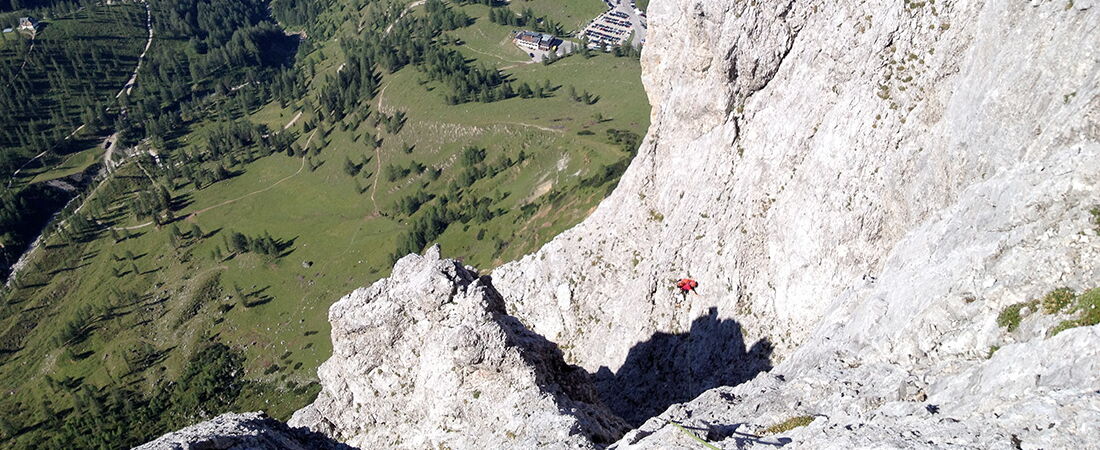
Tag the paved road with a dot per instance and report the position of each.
(129, 86)
(110, 143)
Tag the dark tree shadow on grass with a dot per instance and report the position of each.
(69, 268)
(258, 291)
(180, 202)
(263, 300)
(285, 247)
(134, 235)
(212, 233)
(89, 255)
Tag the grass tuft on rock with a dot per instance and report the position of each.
(1055, 301)
(1087, 308)
(789, 424)
(1010, 317)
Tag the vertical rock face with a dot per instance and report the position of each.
(428, 358)
(863, 186)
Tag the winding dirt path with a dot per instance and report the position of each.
(268, 188)
(152, 180)
(377, 152)
(292, 121)
(381, 97)
(406, 11)
(467, 47)
(534, 126)
(77, 130)
(377, 173)
(135, 227)
(513, 66)
(26, 59)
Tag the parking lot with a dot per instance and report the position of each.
(617, 25)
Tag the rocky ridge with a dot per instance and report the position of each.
(428, 358)
(243, 432)
(860, 188)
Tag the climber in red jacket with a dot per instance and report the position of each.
(687, 285)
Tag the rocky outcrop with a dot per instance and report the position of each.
(1042, 394)
(429, 358)
(864, 186)
(250, 431)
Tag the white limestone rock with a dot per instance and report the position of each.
(249, 431)
(428, 358)
(864, 186)
(1040, 395)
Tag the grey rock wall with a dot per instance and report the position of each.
(863, 186)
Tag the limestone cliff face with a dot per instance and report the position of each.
(860, 188)
(864, 186)
(795, 145)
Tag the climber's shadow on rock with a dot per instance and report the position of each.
(674, 368)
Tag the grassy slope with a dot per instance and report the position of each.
(68, 164)
(341, 239)
(572, 14)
